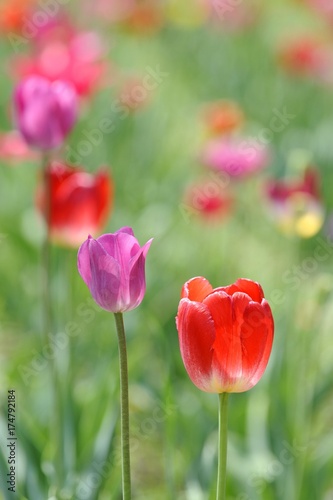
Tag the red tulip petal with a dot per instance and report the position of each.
(196, 289)
(227, 360)
(251, 288)
(196, 337)
(256, 333)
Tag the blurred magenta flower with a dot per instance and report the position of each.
(79, 203)
(63, 53)
(296, 205)
(225, 334)
(113, 268)
(45, 112)
(238, 158)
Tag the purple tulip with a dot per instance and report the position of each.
(45, 112)
(113, 268)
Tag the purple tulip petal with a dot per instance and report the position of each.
(125, 229)
(83, 262)
(105, 277)
(137, 280)
(45, 112)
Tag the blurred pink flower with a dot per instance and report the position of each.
(233, 16)
(45, 112)
(109, 10)
(62, 53)
(13, 147)
(324, 7)
(238, 158)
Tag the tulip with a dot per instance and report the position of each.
(113, 268)
(79, 203)
(61, 52)
(45, 112)
(238, 158)
(225, 334)
(207, 200)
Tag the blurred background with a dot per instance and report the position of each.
(213, 120)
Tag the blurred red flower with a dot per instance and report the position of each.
(308, 56)
(79, 203)
(209, 200)
(63, 53)
(225, 334)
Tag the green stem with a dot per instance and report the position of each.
(124, 409)
(222, 454)
(56, 426)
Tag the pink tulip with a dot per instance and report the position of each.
(235, 157)
(113, 268)
(45, 112)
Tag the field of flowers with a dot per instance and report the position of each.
(203, 124)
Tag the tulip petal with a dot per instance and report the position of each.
(137, 281)
(83, 262)
(251, 288)
(227, 360)
(125, 229)
(122, 246)
(196, 289)
(257, 338)
(196, 337)
(105, 278)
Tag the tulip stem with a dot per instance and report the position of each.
(222, 453)
(124, 408)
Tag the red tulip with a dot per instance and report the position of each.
(79, 203)
(225, 334)
(63, 53)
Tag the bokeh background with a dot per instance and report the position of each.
(220, 72)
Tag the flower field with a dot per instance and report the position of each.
(206, 126)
